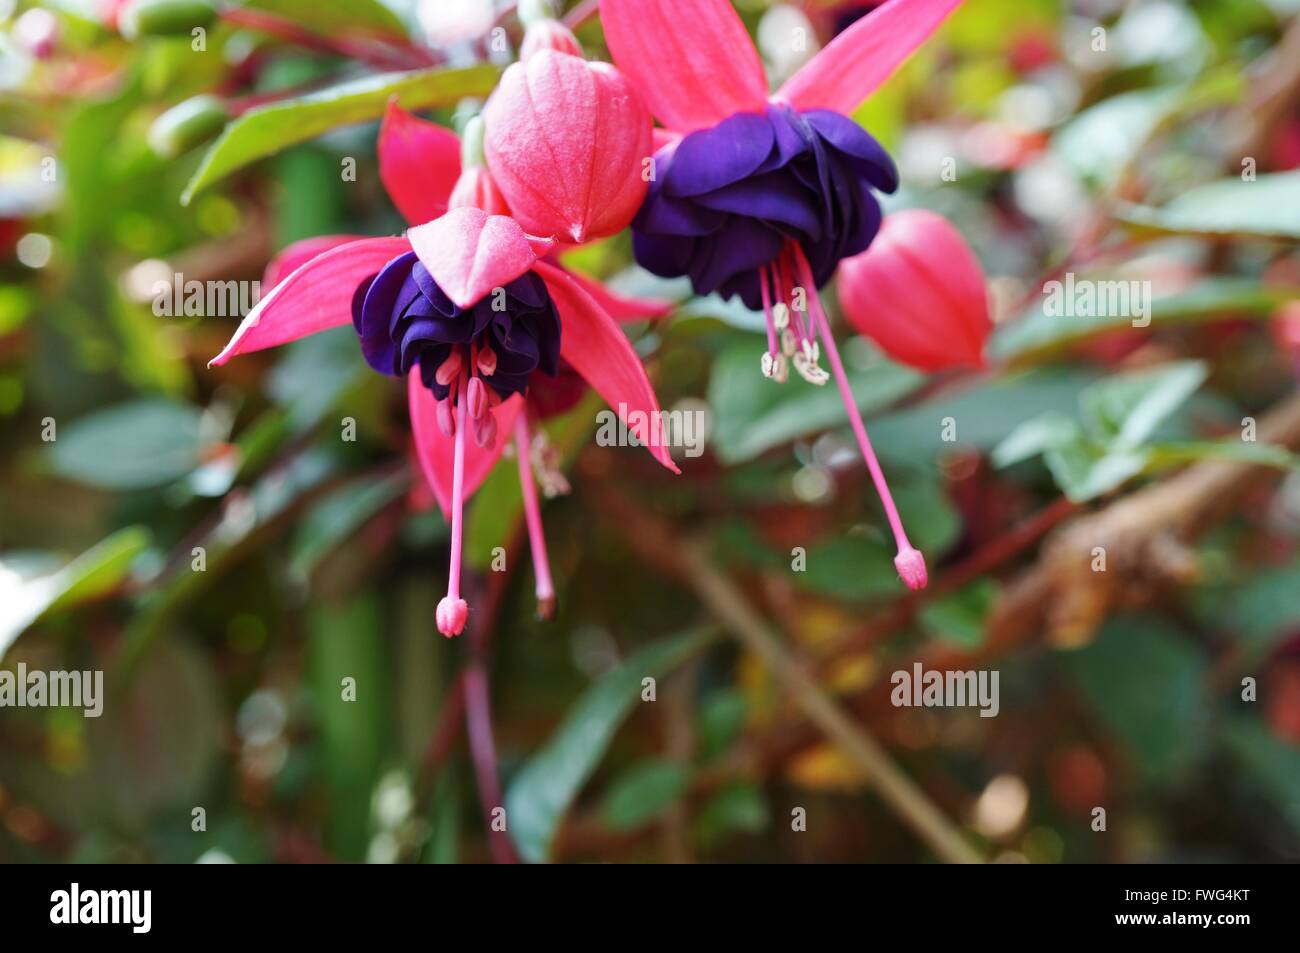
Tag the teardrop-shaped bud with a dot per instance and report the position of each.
(918, 291)
(568, 143)
(549, 35)
(476, 189)
(186, 125)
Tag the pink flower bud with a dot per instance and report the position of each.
(567, 143)
(918, 292)
(549, 35)
(475, 189)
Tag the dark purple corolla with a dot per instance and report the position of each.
(727, 200)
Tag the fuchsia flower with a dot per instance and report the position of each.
(918, 292)
(567, 142)
(761, 196)
(465, 308)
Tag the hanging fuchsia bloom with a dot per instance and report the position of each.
(568, 143)
(465, 308)
(761, 196)
(918, 292)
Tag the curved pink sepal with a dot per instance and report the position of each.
(297, 254)
(419, 163)
(598, 350)
(622, 307)
(316, 296)
(469, 252)
(436, 451)
(857, 61)
(692, 61)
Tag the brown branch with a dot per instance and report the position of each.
(690, 564)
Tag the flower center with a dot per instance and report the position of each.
(404, 319)
(727, 201)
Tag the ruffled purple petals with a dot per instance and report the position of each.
(728, 198)
(404, 319)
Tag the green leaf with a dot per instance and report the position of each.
(336, 17)
(721, 720)
(959, 618)
(1084, 471)
(25, 596)
(738, 807)
(337, 516)
(1035, 437)
(1233, 451)
(267, 129)
(1100, 141)
(1262, 611)
(1147, 685)
(1123, 411)
(1262, 208)
(1273, 763)
(131, 446)
(752, 414)
(644, 792)
(1039, 334)
(545, 787)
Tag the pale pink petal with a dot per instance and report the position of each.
(436, 451)
(315, 297)
(419, 163)
(469, 252)
(299, 253)
(593, 344)
(857, 61)
(692, 61)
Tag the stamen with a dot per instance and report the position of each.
(453, 611)
(449, 368)
(769, 322)
(476, 393)
(487, 361)
(446, 422)
(909, 562)
(533, 516)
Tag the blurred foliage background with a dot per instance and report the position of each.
(1168, 154)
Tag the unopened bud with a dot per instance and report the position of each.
(186, 125)
(165, 17)
(549, 35)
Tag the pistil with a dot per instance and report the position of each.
(453, 611)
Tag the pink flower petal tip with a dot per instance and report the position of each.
(910, 565)
(452, 615)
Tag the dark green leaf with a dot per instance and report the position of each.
(266, 130)
(540, 794)
(643, 792)
(26, 596)
(137, 445)
(1264, 207)
(1147, 685)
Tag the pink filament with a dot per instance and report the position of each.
(767, 310)
(915, 578)
(533, 516)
